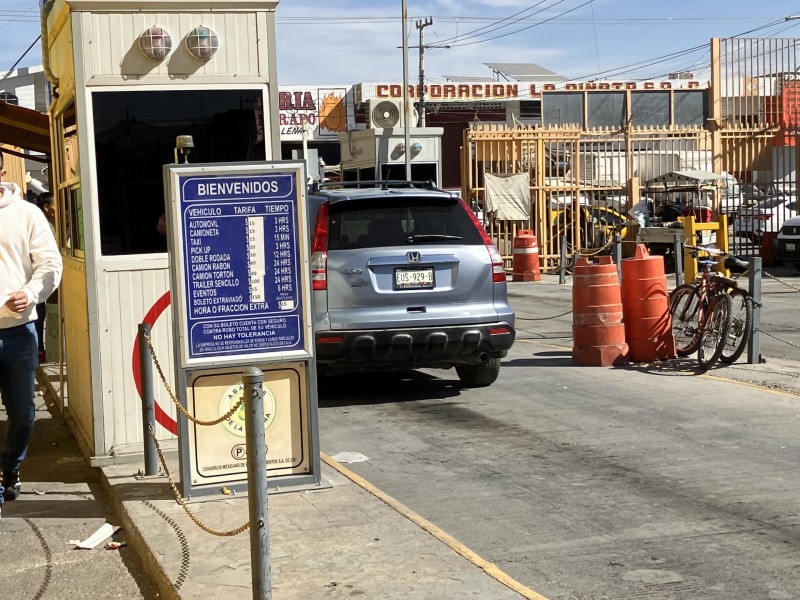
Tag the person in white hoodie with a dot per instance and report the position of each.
(30, 270)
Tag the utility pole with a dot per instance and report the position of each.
(406, 100)
(421, 25)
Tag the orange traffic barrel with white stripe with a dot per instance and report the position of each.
(645, 307)
(598, 333)
(525, 257)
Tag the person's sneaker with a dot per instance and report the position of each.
(12, 485)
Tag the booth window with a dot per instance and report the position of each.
(135, 135)
(419, 172)
(70, 205)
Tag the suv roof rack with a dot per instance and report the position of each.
(383, 184)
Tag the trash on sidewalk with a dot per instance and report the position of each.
(98, 537)
(349, 457)
(115, 545)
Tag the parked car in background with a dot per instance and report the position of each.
(405, 276)
(767, 216)
(789, 242)
(752, 194)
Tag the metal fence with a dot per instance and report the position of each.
(582, 183)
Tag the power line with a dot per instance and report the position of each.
(19, 60)
(318, 20)
(497, 37)
(497, 24)
(665, 57)
(596, 46)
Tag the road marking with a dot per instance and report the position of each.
(752, 385)
(489, 568)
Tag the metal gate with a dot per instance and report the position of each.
(582, 183)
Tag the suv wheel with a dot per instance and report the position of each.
(479, 375)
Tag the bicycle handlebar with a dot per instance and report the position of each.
(712, 251)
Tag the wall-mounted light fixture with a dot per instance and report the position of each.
(202, 43)
(155, 43)
(416, 148)
(183, 146)
(400, 148)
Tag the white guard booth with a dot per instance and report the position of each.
(127, 78)
(380, 154)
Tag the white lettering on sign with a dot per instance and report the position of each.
(234, 188)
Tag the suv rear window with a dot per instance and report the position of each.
(381, 222)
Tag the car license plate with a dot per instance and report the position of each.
(413, 279)
(789, 247)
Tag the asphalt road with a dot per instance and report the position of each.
(589, 483)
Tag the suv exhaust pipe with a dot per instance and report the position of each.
(483, 357)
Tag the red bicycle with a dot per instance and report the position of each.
(701, 312)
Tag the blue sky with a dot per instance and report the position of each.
(345, 42)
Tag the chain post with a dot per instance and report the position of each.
(616, 252)
(148, 401)
(677, 253)
(754, 276)
(253, 380)
(562, 259)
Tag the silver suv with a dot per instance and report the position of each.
(404, 276)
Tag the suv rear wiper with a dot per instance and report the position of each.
(429, 237)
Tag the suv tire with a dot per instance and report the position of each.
(479, 375)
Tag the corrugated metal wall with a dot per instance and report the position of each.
(127, 290)
(111, 54)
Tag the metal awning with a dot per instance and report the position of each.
(23, 127)
(687, 176)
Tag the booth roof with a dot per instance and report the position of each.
(688, 176)
(23, 127)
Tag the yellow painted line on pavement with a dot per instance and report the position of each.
(752, 385)
(489, 568)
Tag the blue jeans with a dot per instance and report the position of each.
(19, 358)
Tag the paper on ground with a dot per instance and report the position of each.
(98, 537)
(349, 457)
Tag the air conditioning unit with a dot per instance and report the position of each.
(388, 114)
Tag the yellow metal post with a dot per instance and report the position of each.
(690, 228)
(689, 261)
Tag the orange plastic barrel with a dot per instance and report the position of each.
(598, 334)
(645, 307)
(525, 257)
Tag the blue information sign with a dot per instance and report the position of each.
(241, 264)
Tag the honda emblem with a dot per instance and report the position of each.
(413, 257)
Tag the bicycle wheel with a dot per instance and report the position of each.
(741, 327)
(714, 330)
(684, 306)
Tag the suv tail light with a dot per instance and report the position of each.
(763, 217)
(319, 250)
(498, 272)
